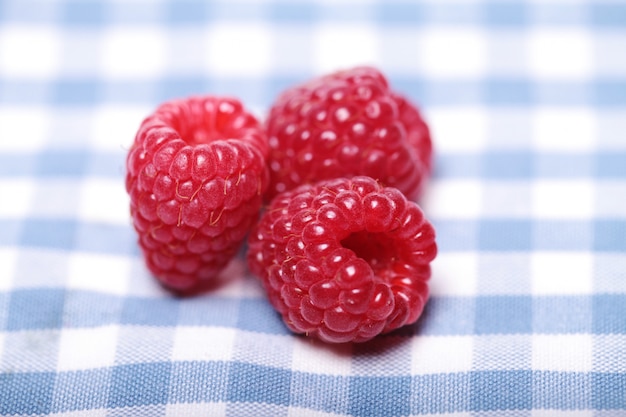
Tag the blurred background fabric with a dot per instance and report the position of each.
(527, 105)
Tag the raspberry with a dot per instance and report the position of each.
(345, 259)
(195, 175)
(345, 124)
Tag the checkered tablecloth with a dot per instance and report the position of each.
(527, 104)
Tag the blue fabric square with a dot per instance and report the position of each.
(410, 13)
(609, 15)
(15, 164)
(561, 390)
(562, 314)
(505, 235)
(11, 232)
(510, 14)
(562, 235)
(327, 393)
(88, 309)
(373, 397)
(35, 309)
(507, 165)
(186, 12)
(446, 316)
(204, 311)
(139, 384)
(457, 166)
(501, 390)
(106, 238)
(610, 235)
(609, 314)
(258, 315)
(456, 235)
(150, 312)
(73, 92)
(608, 391)
(193, 382)
(62, 162)
(440, 393)
(26, 393)
(258, 384)
(505, 91)
(503, 315)
(92, 384)
(83, 13)
(48, 233)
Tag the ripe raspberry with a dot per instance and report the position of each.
(195, 175)
(344, 260)
(345, 124)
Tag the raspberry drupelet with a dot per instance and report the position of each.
(344, 124)
(344, 260)
(196, 174)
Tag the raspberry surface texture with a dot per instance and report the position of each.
(195, 174)
(344, 260)
(345, 124)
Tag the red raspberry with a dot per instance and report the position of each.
(344, 260)
(195, 175)
(345, 124)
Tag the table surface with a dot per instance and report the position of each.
(527, 104)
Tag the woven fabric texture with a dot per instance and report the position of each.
(527, 105)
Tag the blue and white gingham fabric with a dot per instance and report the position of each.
(527, 103)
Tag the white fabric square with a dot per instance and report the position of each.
(264, 349)
(237, 49)
(563, 129)
(609, 58)
(440, 354)
(495, 352)
(203, 343)
(29, 51)
(505, 200)
(54, 197)
(458, 129)
(313, 356)
(97, 272)
(611, 125)
(503, 272)
(114, 127)
(452, 53)
(342, 46)
(561, 273)
(560, 54)
(196, 410)
(8, 260)
(562, 199)
(307, 412)
(88, 348)
(133, 53)
(457, 199)
(563, 352)
(609, 353)
(509, 128)
(100, 412)
(563, 413)
(104, 200)
(22, 128)
(610, 199)
(81, 53)
(21, 194)
(454, 274)
(508, 54)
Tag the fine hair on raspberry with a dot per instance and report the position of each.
(344, 260)
(196, 174)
